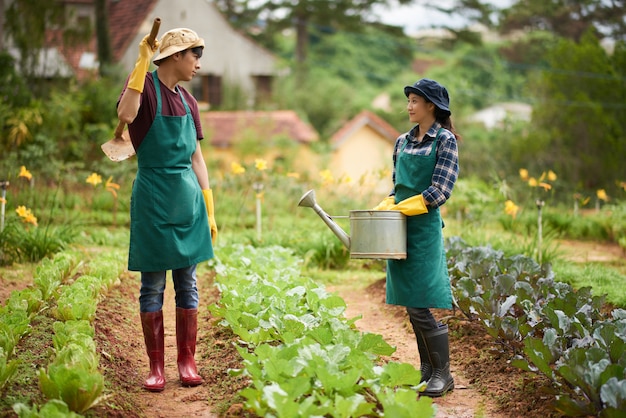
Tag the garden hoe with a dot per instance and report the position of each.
(120, 148)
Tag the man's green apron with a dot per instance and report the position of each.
(169, 226)
(421, 280)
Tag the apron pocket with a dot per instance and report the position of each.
(174, 198)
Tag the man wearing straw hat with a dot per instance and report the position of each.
(172, 218)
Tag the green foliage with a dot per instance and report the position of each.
(8, 368)
(78, 384)
(301, 355)
(72, 375)
(575, 121)
(549, 327)
(52, 408)
(13, 89)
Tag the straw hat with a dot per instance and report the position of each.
(177, 40)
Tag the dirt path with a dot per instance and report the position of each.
(175, 400)
(121, 338)
(391, 323)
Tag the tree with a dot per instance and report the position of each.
(277, 15)
(569, 19)
(105, 54)
(579, 120)
(30, 24)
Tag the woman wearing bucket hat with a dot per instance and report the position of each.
(172, 217)
(425, 170)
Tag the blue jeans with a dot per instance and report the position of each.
(153, 286)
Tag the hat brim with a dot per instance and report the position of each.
(171, 50)
(411, 89)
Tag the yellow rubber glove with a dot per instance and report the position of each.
(412, 206)
(386, 204)
(208, 201)
(138, 75)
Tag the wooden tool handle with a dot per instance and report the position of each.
(151, 39)
(119, 130)
(155, 30)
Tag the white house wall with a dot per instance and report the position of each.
(227, 53)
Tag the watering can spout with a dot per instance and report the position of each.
(308, 201)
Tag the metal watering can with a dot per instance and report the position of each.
(375, 233)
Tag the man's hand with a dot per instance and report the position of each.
(137, 77)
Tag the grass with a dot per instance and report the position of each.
(603, 279)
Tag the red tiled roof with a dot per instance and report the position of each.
(223, 128)
(125, 18)
(365, 118)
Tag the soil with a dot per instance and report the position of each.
(485, 384)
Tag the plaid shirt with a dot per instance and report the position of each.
(446, 168)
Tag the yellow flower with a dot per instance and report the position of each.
(237, 168)
(26, 215)
(532, 182)
(551, 175)
(601, 194)
(523, 174)
(260, 164)
(3, 200)
(22, 211)
(293, 175)
(511, 208)
(112, 187)
(25, 173)
(585, 201)
(30, 219)
(545, 186)
(622, 184)
(327, 176)
(94, 178)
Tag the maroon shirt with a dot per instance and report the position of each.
(171, 105)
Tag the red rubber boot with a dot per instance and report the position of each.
(186, 332)
(152, 324)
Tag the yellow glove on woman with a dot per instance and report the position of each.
(138, 76)
(412, 206)
(386, 204)
(208, 201)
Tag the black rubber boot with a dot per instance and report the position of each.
(441, 380)
(425, 367)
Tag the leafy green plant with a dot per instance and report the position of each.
(8, 368)
(302, 357)
(52, 408)
(549, 327)
(79, 301)
(77, 384)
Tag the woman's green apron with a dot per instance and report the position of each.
(421, 280)
(169, 226)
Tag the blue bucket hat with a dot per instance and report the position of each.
(431, 91)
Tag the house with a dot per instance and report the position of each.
(229, 59)
(362, 153)
(499, 113)
(280, 137)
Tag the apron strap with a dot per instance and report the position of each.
(157, 89)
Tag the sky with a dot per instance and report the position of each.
(419, 16)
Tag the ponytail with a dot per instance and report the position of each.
(443, 117)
